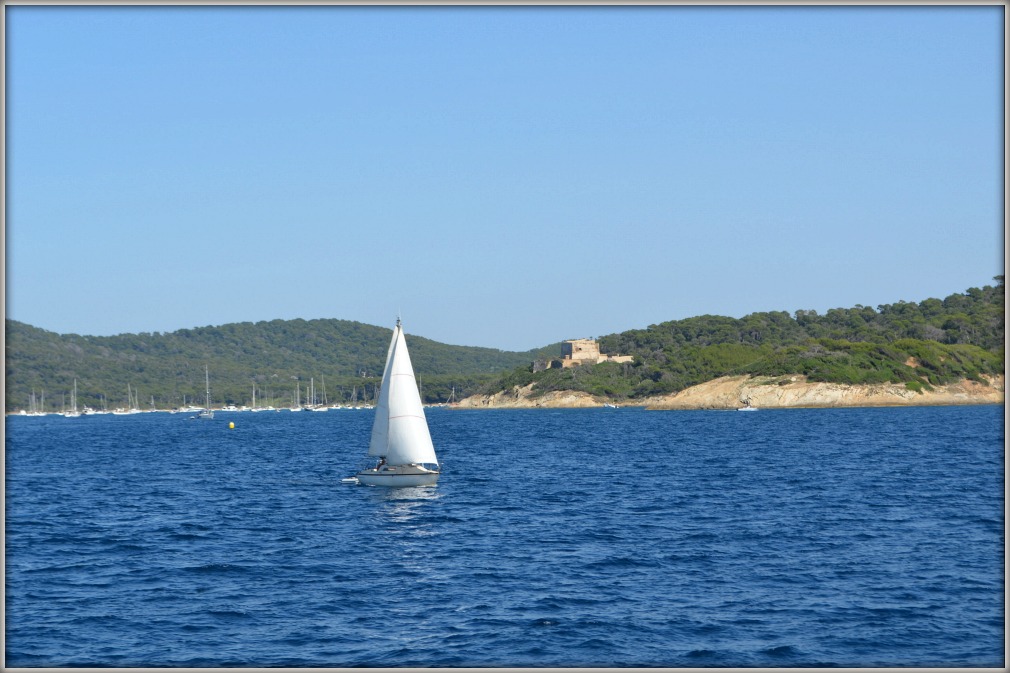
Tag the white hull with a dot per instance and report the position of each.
(398, 475)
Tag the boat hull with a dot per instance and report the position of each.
(399, 475)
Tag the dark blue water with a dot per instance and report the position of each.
(847, 537)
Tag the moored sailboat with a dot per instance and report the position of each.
(73, 413)
(206, 413)
(400, 437)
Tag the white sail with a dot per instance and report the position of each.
(400, 431)
(380, 426)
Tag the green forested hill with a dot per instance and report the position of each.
(277, 356)
(930, 342)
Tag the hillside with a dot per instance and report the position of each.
(918, 345)
(347, 357)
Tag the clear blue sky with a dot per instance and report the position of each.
(503, 177)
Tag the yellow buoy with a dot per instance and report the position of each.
(231, 425)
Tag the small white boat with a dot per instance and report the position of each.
(400, 437)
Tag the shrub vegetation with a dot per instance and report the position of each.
(919, 344)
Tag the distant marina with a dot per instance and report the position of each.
(316, 401)
(122, 411)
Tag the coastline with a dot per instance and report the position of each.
(762, 392)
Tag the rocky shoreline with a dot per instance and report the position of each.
(762, 392)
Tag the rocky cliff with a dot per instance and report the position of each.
(775, 392)
(767, 392)
(521, 398)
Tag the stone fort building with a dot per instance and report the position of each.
(578, 352)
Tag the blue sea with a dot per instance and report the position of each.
(561, 538)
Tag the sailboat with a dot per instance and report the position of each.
(73, 413)
(400, 437)
(206, 412)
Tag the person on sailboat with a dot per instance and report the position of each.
(382, 461)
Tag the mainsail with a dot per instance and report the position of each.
(380, 426)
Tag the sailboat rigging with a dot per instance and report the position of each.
(206, 412)
(400, 437)
(73, 413)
